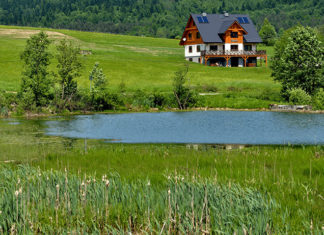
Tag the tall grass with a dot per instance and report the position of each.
(56, 202)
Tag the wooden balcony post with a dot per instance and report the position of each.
(266, 61)
(245, 58)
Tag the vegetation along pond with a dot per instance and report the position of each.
(210, 127)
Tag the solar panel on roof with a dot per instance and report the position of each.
(240, 19)
(200, 19)
(205, 19)
(246, 20)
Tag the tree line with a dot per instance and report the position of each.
(158, 18)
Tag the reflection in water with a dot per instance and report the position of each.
(217, 127)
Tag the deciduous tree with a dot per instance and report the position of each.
(183, 95)
(268, 33)
(69, 67)
(36, 80)
(299, 62)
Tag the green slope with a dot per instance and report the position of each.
(141, 62)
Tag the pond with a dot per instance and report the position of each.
(205, 127)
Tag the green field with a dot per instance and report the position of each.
(144, 63)
(285, 183)
(57, 185)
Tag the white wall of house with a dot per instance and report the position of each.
(228, 46)
(219, 46)
(194, 52)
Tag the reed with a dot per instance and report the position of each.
(40, 205)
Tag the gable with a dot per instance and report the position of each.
(191, 34)
(218, 24)
(234, 33)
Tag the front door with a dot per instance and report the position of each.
(234, 62)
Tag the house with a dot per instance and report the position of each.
(222, 40)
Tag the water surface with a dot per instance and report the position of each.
(209, 127)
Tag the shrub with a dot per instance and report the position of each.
(318, 100)
(142, 100)
(158, 99)
(27, 100)
(97, 100)
(299, 96)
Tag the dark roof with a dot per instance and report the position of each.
(219, 23)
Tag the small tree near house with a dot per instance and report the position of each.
(183, 95)
(268, 33)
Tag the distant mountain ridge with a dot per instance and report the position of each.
(158, 18)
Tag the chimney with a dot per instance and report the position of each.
(226, 14)
(204, 14)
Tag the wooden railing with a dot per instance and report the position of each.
(233, 53)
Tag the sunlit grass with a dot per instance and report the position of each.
(142, 63)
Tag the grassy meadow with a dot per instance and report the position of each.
(144, 63)
(261, 189)
(58, 185)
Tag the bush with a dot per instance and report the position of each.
(98, 100)
(318, 100)
(142, 100)
(27, 100)
(299, 96)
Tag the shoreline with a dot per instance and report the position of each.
(30, 115)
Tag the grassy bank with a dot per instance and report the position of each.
(147, 64)
(292, 177)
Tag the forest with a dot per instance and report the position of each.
(157, 18)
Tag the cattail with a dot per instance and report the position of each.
(18, 181)
(311, 225)
(16, 193)
(82, 183)
(107, 183)
(169, 191)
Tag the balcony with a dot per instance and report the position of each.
(233, 53)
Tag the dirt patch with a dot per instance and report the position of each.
(22, 33)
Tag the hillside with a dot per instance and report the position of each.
(140, 62)
(158, 18)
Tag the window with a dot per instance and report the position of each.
(247, 47)
(234, 47)
(190, 36)
(234, 35)
(198, 35)
(214, 48)
(190, 49)
(190, 59)
(198, 48)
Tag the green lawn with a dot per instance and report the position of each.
(141, 62)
